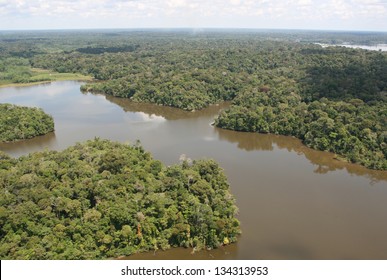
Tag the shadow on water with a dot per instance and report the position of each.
(324, 161)
(294, 202)
(38, 143)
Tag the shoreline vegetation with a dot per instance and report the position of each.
(42, 76)
(102, 199)
(21, 123)
(333, 98)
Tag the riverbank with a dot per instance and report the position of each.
(42, 76)
(294, 202)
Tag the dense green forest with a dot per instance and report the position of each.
(336, 102)
(18, 122)
(102, 199)
(333, 99)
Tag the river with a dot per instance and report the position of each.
(379, 47)
(294, 202)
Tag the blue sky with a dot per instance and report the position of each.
(289, 14)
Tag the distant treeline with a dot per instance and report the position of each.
(99, 50)
(334, 98)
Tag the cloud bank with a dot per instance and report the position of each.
(300, 14)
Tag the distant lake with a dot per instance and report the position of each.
(380, 47)
(294, 202)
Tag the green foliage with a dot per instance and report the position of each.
(334, 98)
(17, 122)
(344, 74)
(102, 199)
(353, 129)
(351, 123)
(14, 69)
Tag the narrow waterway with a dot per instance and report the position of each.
(294, 202)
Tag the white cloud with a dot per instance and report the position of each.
(176, 3)
(202, 13)
(304, 2)
(235, 2)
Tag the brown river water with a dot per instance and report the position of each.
(294, 202)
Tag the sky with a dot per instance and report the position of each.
(362, 15)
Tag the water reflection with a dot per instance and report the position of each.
(294, 202)
(325, 162)
(30, 145)
(140, 117)
(167, 113)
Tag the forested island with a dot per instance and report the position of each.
(102, 199)
(19, 122)
(333, 99)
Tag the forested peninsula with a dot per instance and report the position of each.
(19, 122)
(102, 199)
(334, 99)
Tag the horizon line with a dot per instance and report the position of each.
(191, 28)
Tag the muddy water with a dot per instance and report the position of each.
(294, 202)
